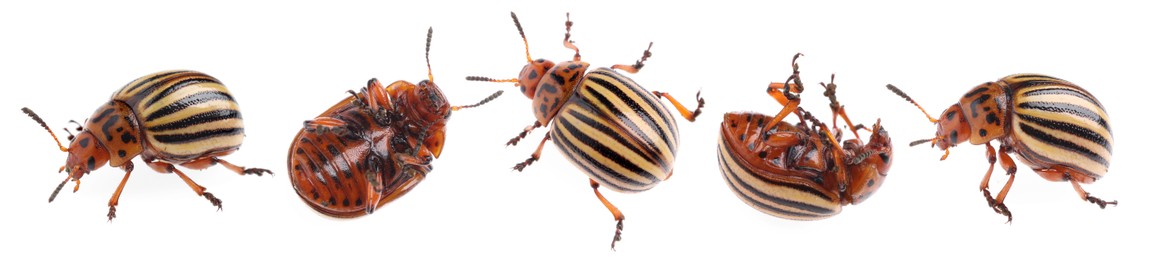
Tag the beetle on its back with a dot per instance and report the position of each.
(168, 118)
(1057, 128)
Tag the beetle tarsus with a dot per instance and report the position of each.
(1002, 209)
(111, 212)
(1102, 204)
(257, 171)
(215, 202)
(618, 234)
(529, 161)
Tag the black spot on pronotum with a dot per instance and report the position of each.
(83, 143)
(884, 157)
(992, 119)
(870, 182)
(954, 136)
(742, 136)
(982, 132)
(950, 115)
(120, 129)
(128, 138)
(533, 75)
(762, 154)
(91, 163)
(122, 153)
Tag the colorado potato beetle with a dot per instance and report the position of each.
(800, 171)
(610, 127)
(1056, 127)
(372, 147)
(168, 118)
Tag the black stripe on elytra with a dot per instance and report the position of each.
(801, 188)
(1064, 91)
(187, 101)
(818, 211)
(571, 152)
(309, 148)
(148, 81)
(1065, 108)
(174, 87)
(644, 95)
(197, 119)
(198, 136)
(616, 113)
(1069, 128)
(605, 151)
(598, 125)
(1064, 144)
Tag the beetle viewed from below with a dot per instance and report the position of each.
(168, 118)
(603, 122)
(1057, 128)
(800, 171)
(372, 147)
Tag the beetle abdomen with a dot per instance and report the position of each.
(617, 133)
(1058, 123)
(770, 180)
(184, 114)
(347, 174)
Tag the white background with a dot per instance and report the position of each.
(287, 62)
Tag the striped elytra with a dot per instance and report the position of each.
(168, 118)
(607, 125)
(372, 147)
(1055, 127)
(800, 171)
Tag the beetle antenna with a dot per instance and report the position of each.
(918, 142)
(428, 49)
(485, 101)
(908, 98)
(567, 38)
(478, 78)
(521, 30)
(42, 124)
(58, 188)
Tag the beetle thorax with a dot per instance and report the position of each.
(555, 87)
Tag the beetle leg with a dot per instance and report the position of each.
(516, 140)
(633, 69)
(1087, 196)
(983, 186)
(115, 200)
(322, 124)
(535, 155)
(240, 170)
(689, 115)
(790, 102)
(614, 212)
(420, 164)
(1008, 165)
(164, 167)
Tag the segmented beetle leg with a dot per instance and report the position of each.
(516, 140)
(238, 169)
(1008, 164)
(535, 155)
(615, 212)
(115, 200)
(687, 114)
(164, 167)
(1087, 196)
